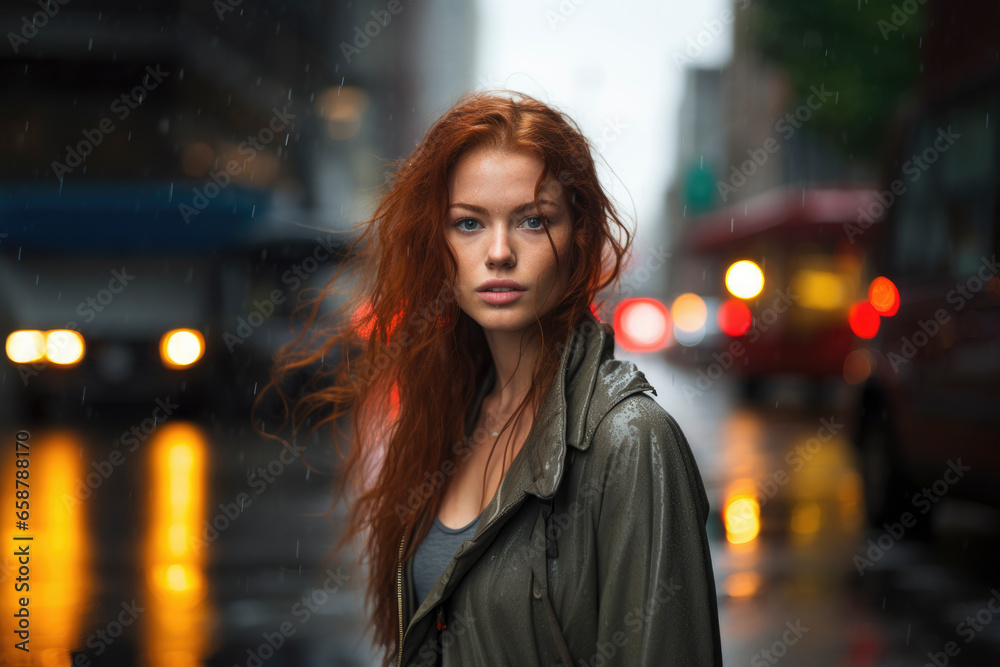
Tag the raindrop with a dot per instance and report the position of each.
(296, 548)
(84, 394)
(908, 634)
(90, 44)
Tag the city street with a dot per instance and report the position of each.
(807, 584)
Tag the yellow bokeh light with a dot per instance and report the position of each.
(820, 290)
(25, 346)
(63, 346)
(742, 519)
(181, 347)
(744, 279)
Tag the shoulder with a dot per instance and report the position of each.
(637, 420)
(637, 441)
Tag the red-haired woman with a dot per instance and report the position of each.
(522, 499)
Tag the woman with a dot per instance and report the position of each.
(522, 501)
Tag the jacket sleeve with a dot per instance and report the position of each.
(656, 586)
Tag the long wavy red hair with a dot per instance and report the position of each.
(407, 419)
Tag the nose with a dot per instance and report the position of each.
(500, 251)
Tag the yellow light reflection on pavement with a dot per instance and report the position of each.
(176, 595)
(55, 581)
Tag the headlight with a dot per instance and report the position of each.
(181, 348)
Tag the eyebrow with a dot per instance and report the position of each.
(520, 209)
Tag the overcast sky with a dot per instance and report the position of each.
(611, 67)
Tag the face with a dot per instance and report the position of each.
(495, 232)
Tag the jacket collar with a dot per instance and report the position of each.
(587, 384)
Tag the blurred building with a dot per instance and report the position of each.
(345, 88)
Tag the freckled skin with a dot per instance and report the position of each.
(503, 244)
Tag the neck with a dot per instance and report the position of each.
(514, 356)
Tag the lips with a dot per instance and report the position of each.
(500, 284)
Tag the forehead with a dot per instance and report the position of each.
(490, 173)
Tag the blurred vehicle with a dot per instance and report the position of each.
(765, 286)
(107, 296)
(928, 405)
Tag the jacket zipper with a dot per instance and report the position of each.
(399, 597)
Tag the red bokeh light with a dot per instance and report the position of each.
(864, 319)
(642, 325)
(883, 296)
(734, 317)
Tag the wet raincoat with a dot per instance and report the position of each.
(593, 550)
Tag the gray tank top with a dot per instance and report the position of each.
(435, 552)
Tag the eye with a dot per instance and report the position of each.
(540, 226)
(458, 224)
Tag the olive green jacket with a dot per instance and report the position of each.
(593, 551)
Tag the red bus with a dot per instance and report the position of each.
(771, 280)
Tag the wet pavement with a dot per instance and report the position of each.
(202, 545)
